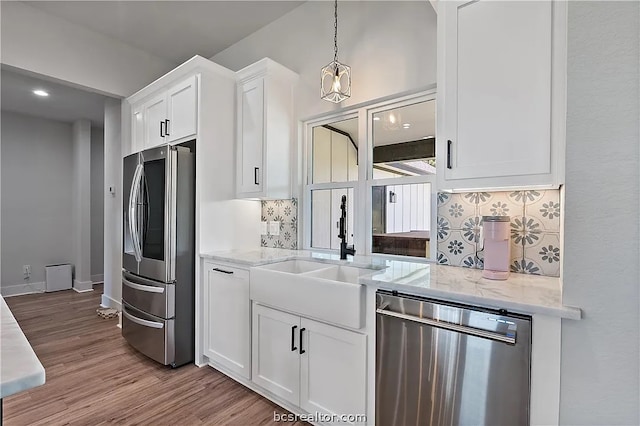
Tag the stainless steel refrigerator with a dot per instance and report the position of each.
(158, 253)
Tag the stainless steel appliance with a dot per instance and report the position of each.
(449, 364)
(158, 253)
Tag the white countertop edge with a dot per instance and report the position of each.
(567, 312)
(23, 383)
(269, 255)
(20, 368)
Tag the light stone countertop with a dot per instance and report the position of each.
(528, 294)
(20, 368)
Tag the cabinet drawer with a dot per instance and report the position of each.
(150, 335)
(149, 296)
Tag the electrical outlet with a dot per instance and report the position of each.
(264, 229)
(26, 270)
(274, 228)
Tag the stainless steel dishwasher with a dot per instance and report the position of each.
(446, 364)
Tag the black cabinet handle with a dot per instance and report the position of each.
(293, 338)
(449, 143)
(166, 127)
(223, 271)
(255, 175)
(301, 350)
(161, 132)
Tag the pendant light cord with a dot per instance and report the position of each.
(335, 32)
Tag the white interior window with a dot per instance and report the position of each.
(382, 158)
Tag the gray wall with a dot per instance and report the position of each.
(600, 354)
(97, 203)
(37, 173)
(390, 46)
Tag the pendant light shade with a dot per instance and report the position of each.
(335, 85)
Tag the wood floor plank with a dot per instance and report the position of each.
(95, 378)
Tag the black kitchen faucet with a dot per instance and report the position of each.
(344, 249)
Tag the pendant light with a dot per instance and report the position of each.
(336, 77)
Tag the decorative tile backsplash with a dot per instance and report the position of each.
(535, 228)
(285, 212)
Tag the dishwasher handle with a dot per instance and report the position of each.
(451, 326)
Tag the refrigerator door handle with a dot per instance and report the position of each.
(142, 322)
(142, 287)
(134, 193)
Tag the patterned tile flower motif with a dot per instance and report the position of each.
(294, 223)
(455, 247)
(550, 254)
(287, 236)
(477, 197)
(287, 211)
(525, 231)
(550, 210)
(442, 259)
(294, 201)
(443, 197)
(263, 242)
(523, 266)
(270, 211)
(468, 262)
(525, 195)
(471, 229)
(278, 244)
(456, 210)
(443, 228)
(499, 209)
(278, 203)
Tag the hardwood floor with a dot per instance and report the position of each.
(94, 377)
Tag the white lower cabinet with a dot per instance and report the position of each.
(276, 361)
(332, 370)
(315, 366)
(227, 318)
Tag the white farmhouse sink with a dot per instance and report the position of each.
(323, 291)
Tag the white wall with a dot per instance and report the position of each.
(37, 174)
(112, 290)
(97, 203)
(81, 130)
(600, 354)
(390, 46)
(36, 41)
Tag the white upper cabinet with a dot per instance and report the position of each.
(182, 110)
(501, 101)
(169, 115)
(265, 130)
(155, 116)
(137, 128)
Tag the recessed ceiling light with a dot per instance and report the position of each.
(42, 93)
(376, 118)
(406, 125)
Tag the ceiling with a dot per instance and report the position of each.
(64, 103)
(173, 30)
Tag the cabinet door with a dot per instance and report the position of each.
(155, 114)
(332, 369)
(497, 88)
(137, 128)
(228, 327)
(251, 136)
(183, 110)
(275, 357)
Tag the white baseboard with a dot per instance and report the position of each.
(97, 279)
(23, 288)
(108, 302)
(82, 286)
